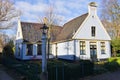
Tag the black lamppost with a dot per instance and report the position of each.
(44, 74)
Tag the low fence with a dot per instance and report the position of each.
(68, 71)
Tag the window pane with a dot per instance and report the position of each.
(50, 49)
(102, 47)
(29, 49)
(82, 47)
(18, 51)
(39, 52)
(93, 31)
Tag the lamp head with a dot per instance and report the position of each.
(44, 29)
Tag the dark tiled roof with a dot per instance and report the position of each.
(71, 27)
(55, 31)
(32, 33)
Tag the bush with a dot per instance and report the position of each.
(29, 70)
(117, 59)
(8, 50)
(118, 54)
(56, 69)
(112, 64)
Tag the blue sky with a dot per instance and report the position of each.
(65, 9)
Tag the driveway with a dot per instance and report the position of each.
(3, 74)
(106, 76)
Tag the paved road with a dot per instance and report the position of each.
(105, 76)
(3, 74)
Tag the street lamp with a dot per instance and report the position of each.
(44, 75)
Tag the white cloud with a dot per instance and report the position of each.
(30, 11)
(64, 8)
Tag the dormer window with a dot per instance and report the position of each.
(93, 31)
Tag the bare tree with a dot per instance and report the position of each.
(1, 43)
(7, 13)
(51, 19)
(111, 14)
(4, 39)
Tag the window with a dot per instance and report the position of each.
(82, 47)
(50, 49)
(93, 31)
(29, 50)
(39, 50)
(102, 47)
(18, 51)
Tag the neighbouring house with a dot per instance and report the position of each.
(83, 37)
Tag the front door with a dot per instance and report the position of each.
(93, 52)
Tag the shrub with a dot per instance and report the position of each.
(56, 69)
(8, 50)
(115, 46)
(118, 54)
(112, 64)
(29, 70)
(118, 61)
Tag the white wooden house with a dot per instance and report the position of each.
(83, 37)
(28, 40)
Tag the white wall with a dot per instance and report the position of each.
(19, 31)
(34, 49)
(107, 50)
(24, 55)
(18, 41)
(54, 47)
(84, 32)
(33, 56)
(66, 50)
(21, 46)
(87, 50)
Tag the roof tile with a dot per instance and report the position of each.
(32, 33)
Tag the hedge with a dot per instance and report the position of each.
(57, 70)
(68, 71)
(29, 70)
